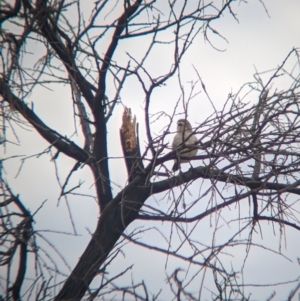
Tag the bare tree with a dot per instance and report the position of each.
(247, 162)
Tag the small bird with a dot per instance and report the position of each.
(184, 137)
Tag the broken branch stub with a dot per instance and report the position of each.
(130, 144)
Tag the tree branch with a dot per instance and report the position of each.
(64, 53)
(121, 25)
(23, 233)
(217, 174)
(63, 144)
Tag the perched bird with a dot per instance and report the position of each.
(184, 137)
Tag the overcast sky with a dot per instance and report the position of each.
(260, 40)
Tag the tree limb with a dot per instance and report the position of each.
(217, 174)
(63, 144)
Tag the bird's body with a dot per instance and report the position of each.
(184, 137)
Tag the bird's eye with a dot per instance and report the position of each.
(180, 124)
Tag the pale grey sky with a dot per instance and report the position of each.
(259, 41)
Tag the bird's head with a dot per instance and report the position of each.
(183, 125)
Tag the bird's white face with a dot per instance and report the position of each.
(183, 125)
